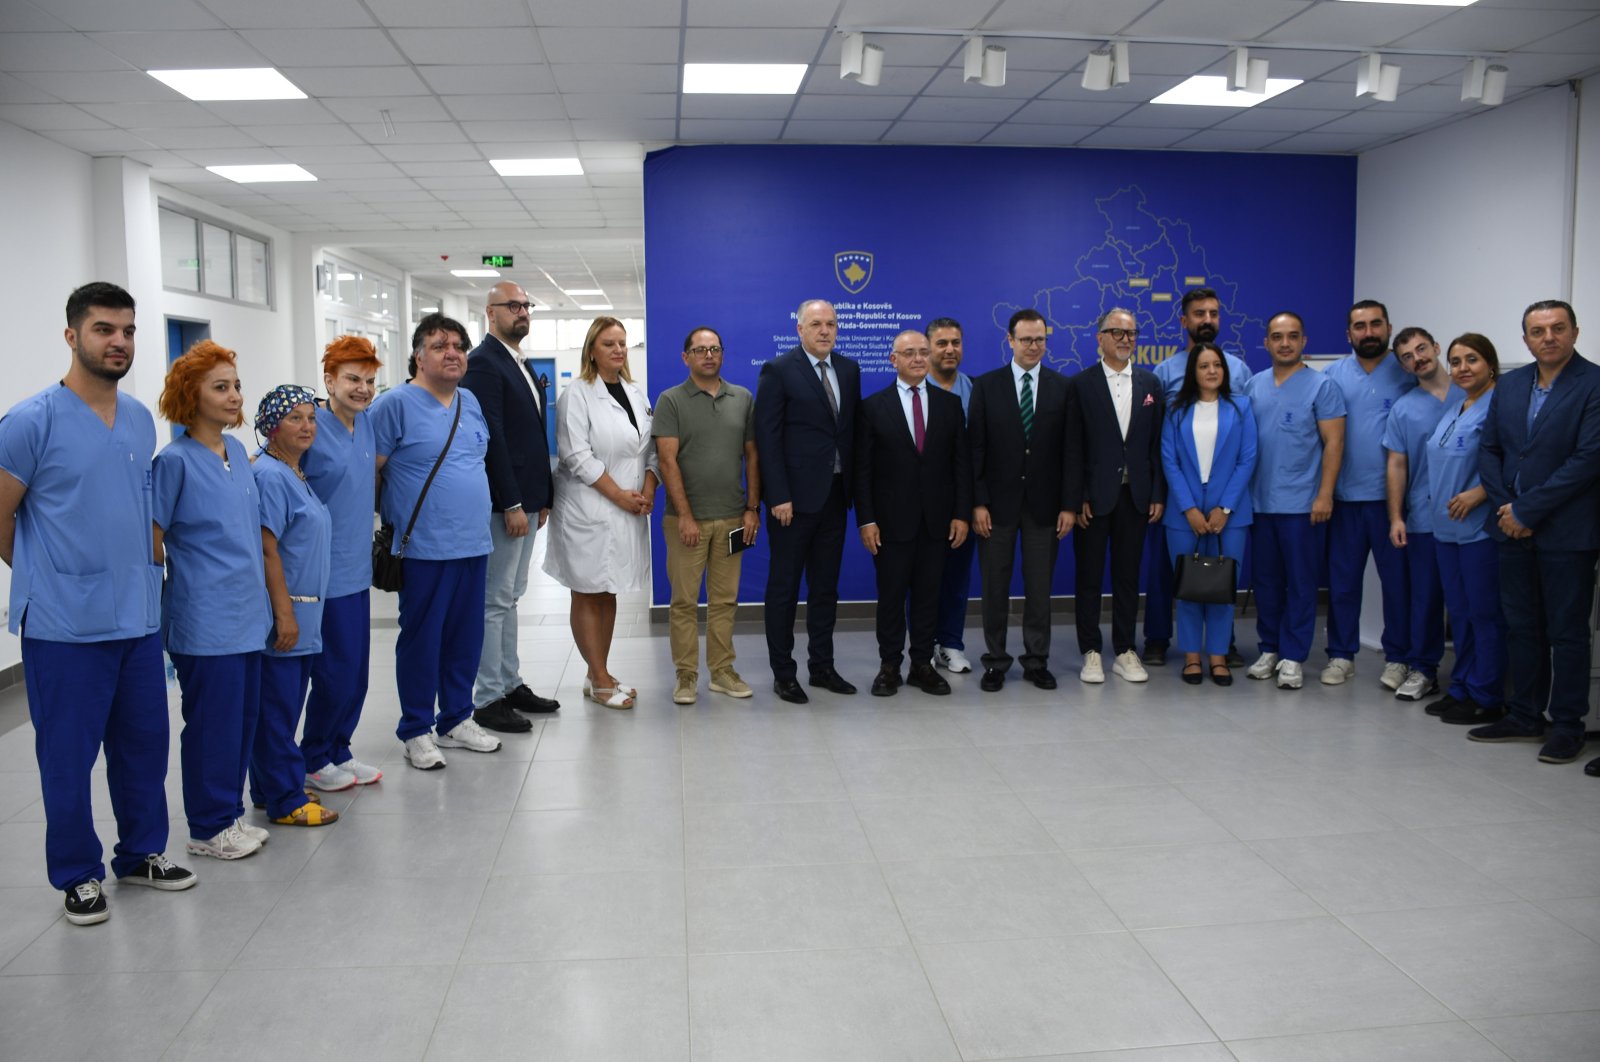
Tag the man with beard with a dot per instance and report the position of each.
(1371, 382)
(1405, 439)
(518, 463)
(75, 527)
(949, 651)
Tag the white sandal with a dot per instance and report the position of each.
(589, 688)
(610, 696)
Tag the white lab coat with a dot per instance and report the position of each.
(594, 546)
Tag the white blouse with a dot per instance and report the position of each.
(1205, 436)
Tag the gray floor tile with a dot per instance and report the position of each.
(1213, 1052)
(1545, 1037)
(1546, 860)
(634, 1009)
(1009, 723)
(857, 1005)
(1069, 764)
(751, 835)
(623, 737)
(1490, 960)
(1294, 804)
(601, 783)
(750, 729)
(1580, 912)
(1444, 1042)
(1142, 716)
(24, 837)
(1121, 817)
(1364, 749)
(382, 922)
(1095, 992)
(1285, 978)
(875, 773)
(29, 913)
(996, 898)
(840, 905)
(1209, 757)
(1444, 796)
(479, 781)
(548, 917)
(1190, 885)
(1355, 872)
(18, 790)
(97, 1015)
(951, 826)
(799, 778)
(881, 728)
(454, 847)
(592, 840)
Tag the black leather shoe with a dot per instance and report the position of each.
(1562, 748)
(1470, 713)
(1221, 675)
(1592, 768)
(993, 679)
(1441, 706)
(1194, 677)
(1041, 677)
(926, 679)
(887, 682)
(525, 700)
(789, 690)
(1155, 654)
(497, 715)
(831, 681)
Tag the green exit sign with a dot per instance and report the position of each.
(497, 261)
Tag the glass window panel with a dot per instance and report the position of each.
(217, 248)
(180, 256)
(570, 333)
(371, 294)
(541, 336)
(253, 270)
(390, 296)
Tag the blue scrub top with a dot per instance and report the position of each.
(82, 568)
(341, 467)
(215, 599)
(1368, 398)
(304, 530)
(410, 427)
(1453, 468)
(1288, 444)
(1411, 422)
(1170, 373)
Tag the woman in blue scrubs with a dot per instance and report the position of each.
(296, 536)
(1468, 558)
(214, 612)
(341, 467)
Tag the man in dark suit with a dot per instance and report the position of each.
(518, 463)
(1017, 427)
(1118, 489)
(1540, 464)
(913, 494)
(805, 434)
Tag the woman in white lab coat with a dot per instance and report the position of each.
(605, 488)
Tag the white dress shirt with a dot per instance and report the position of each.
(1121, 385)
(905, 390)
(1205, 436)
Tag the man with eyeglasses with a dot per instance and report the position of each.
(706, 442)
(518, 463)
(1118, 489)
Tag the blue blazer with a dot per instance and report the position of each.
(1092, 427)
(518, 458)
(1550, 475)
(797, 434)
(1232, 463)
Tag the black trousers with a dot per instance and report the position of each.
(996, 556)
(909, 571)
(1122, 530)
(811, 546)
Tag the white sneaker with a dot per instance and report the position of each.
(952, 660)
(1338, 671)
(1289, 676)
(330, 779)
(1417, 686)
(1128, 667)
(1264, 666)
(229, 844)
(1093, 671)
(365, 774)
(469, 735)
(255, 833)
(423, 753)
(1394, 675)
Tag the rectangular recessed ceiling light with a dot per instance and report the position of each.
(474, 272)
(286, 171)
(1206, 90)
(1419, 3)
(584, 291)
(755, 79)
(537, 167)
(594, 306)
(244, 83)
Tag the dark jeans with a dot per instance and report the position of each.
(1547, 596)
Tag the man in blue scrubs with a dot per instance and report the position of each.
(1371, 382)
(85, 596)
(1411, 507)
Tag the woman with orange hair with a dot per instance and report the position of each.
(214, 609)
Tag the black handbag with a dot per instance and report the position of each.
(1205, 580)
(388, 573)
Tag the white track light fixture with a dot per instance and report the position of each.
(1097, 69)
(1377, 79)
(1119, 63)
(860, 61)
(1472, 79)
(1494, 86)
(1246, 74)
(984, 63)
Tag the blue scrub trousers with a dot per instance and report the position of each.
(955, 589)
(1204, 628)
(1469, 574)
(277, 770)
(1359, 528)
(221, 703)
(441, 639)
(1158, 588)
(82, 695)
(1424, 644)
(338, 681)
(1288, 556)
(1546, 596)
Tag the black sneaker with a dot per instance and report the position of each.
(86, 905)
(1155, 654)
(1441, 706)
(498, 715)
(1470, 713)
(525, 700)
(1505, 730)
(159, 872)
(1562, 748)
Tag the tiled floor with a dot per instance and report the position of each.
(1139, 874)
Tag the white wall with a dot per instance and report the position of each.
(1460, 228)
(1586, 222)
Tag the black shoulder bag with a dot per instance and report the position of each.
(387, 571)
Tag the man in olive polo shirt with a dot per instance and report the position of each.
(705, 439)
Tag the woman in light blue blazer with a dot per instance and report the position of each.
(1208, 448)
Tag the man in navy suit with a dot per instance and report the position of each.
(805, 435)
(1540, 463)
(518, 463)
(1119, 490)
(913, 494)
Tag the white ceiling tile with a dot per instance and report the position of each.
(270, 112)
(613, 165)
(737, 13)
(1468, 28)
(611, 46)
(25, 18)
(1081, 16)
(337, 154)
(1377, 119)
(938, 132)
(1020, 84)
(474, 79)
(288, 14)
(1580, 38)
(751, 45)
(835, 130)
(1278, 120)
(617, 180)
(722, 129)
(323, 81)
(15, 90)
(1171, 116)
(507, 107)
(336, 134)
(624, 128)
(413, 133)
(1168, 59)
(1120, 137)
(159, 160)
(1325, 143)
(325, 47)
(896, 81)
(44, 116)
(352, 171)
(1039, 135)
(904, 50)
(1074, 112)
(207, 155)
(479, 13)
(53, 51)
(445, 184)
(530, 130)
(1321, 95)
(1436, 99)
(433, 168)
(1234, 20)
(1139, 89)
(622, 105)
(400, 108)
(1354, 25)
(606, 12)
(749, 107)
(153, 115)
(1230, 140)
(941, 14)
(929, 109)
(362, 187)
(856, 107)
(409, 194)
(642, 77)
(180, 51)
(102, 86)
(1542, 69)
(465, 47)
(1049, 56)
(522, 187)
(88, 15)
(218, 136)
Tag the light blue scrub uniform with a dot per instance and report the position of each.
(304, 530)
(215, 618)
(340, 466)
(446, 562)
(85, 597)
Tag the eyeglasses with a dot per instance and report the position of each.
(1120, 334)
(515, 307)
(701, 352)
(1029, 341)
